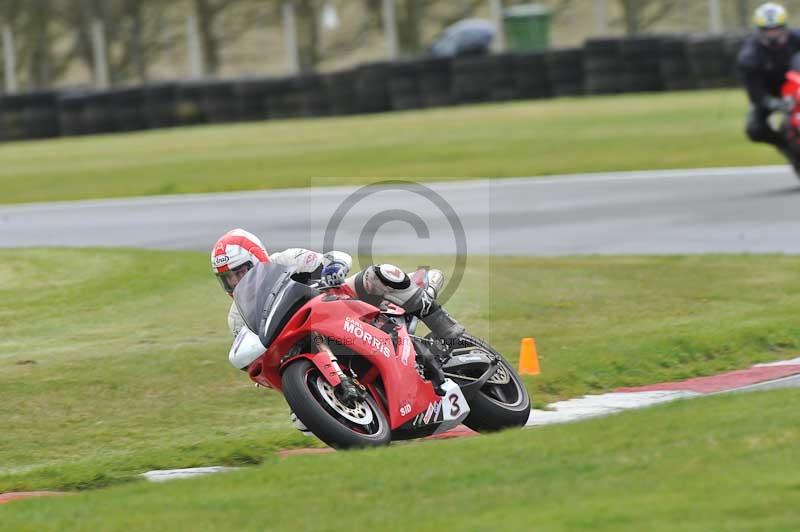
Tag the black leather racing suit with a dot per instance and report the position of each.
(762, 70)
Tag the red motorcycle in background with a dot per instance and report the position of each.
(310, 338)
(790, 127)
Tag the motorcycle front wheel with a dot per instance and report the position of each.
(314, 402)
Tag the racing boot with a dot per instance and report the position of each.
(431, 358)
(432, 368)
(442, 325)
(447, 333)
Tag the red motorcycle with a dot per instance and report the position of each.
(312, 337)
(790, 127)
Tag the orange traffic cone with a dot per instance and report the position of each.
(528, 359)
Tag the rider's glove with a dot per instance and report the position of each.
(782, 105)
(335, 267)
(334, 273)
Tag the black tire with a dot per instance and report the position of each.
(372, 88)
(340, 92)
(161, 105)
(127, 109)
(488, 412)
(305, 400)
(70, 115)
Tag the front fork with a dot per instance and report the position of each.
(323, 359)
(348, 387)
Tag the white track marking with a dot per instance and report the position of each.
(173, 474)
(590, 406)
(792, 362)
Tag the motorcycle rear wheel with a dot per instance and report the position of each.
(498, 406)
(312, 400)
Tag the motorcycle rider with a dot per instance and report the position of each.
(762, 63)
(237, 251)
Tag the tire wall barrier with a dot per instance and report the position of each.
(601, 66)
(604, 71)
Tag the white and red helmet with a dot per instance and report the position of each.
(234, 254)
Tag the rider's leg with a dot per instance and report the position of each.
(759, 130)
(384, 281)
(391, 283)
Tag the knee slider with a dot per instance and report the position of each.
(392, 276)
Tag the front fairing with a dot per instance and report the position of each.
(347, 325)
(246, 348)
(791, 89)
(267, 297)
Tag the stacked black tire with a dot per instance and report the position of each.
(640, 57)
(434, 76)
(128, 109)
(472, 79)
(372, 90)
(340, 89)
(161, 105)
(309, 93)
(275, 101)
(733, 45)
(502, 72)
(710, 64)
(404, 86)
(674, 65)
(189, 103)
(70, 113)
(98, 114)
(603, 66)
(250, 98)
(29, 116)
(565, 71)
(532, 76)
(218, 102)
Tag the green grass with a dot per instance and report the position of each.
(113, 362)
(718, 463)
(690, 129)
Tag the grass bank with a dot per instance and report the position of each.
(717, 463)
(530, 138)
(113, 362)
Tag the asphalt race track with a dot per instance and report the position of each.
(730, 210)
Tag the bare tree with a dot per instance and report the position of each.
(209, 20)
(410, 14)
(135, 49)
(743, 13)
(308, 37)
(9, 15)
(207, 13)
(638, 15)
(35, 50)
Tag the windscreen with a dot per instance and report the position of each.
(267, 297)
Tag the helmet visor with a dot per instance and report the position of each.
(231, 278)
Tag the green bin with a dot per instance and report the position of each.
(527, 27)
